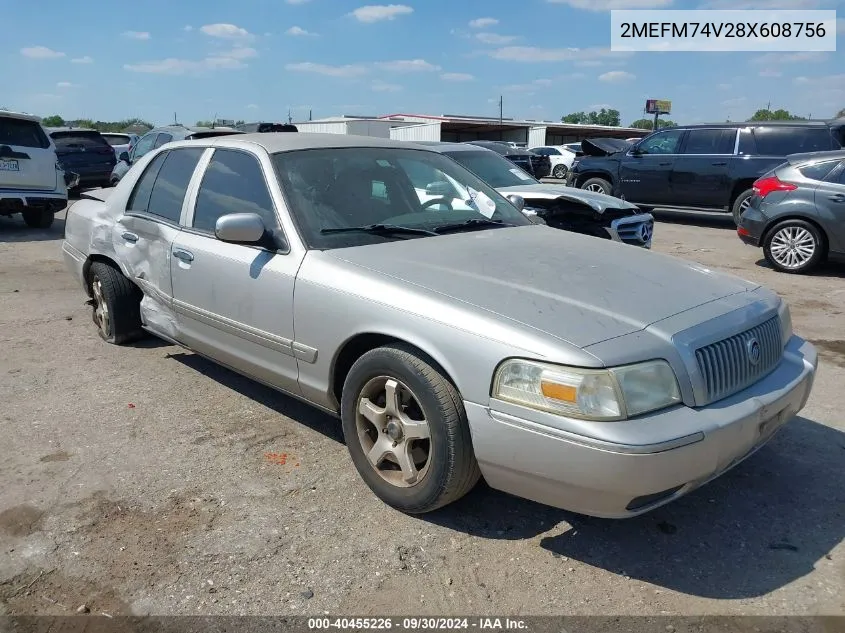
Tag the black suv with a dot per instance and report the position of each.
(536, 165)
(699, 167)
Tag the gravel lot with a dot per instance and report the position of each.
(147, 480)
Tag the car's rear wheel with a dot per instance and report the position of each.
(38, 218)
(117, 304)
(741, 203)
(559, 171)
(794, 246)
(599, 185)
(406, 430)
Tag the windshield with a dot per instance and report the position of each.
(493, 169)
(337, 188)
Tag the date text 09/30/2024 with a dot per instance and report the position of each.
(417, 624)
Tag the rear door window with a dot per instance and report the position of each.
(144, 145)
(818, 171)
(139, 201)
(22, 133)
(782, 141)
(710, 141)
(162, 139)
(171, 184)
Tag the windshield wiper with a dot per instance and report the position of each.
(379, 229)
(469, 224)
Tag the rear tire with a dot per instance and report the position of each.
(599, 185)
(794, 246)
(116, 303)
(741, 204)
(442, 467)
(560, 171)
(38, 218)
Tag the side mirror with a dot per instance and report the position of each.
(124, 156)
(517, 201)
(241, 228)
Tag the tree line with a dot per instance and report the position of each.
(612, 118)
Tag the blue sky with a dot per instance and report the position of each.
(255, 59)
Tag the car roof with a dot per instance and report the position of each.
(742, 124)
(274, 142)
(189, 129)
(19, 115)
(806, 157)
(54, 130)
(442, 146)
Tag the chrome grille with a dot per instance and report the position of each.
(635, 229)
(726, 366)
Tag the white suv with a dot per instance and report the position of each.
(31, 181)
(561, 157)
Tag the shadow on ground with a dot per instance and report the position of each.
(833, 270)
(693, 218)
(761, 526)
(13, 229)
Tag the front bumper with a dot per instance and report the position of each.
(604, 479)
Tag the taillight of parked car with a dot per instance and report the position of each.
(764, 186)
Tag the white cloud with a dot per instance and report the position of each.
(82, 60)
(65, 84)
(495, 38)
(252, 106)
(297, 31)
(483, 23)
(41, 52)
(187, 28)
(228, 60)
(530, 87)
(534, 54)
(383, 86)
(608, 5)
(734, 103)
(616, 75)
(775, 59)
(835, 81)
(379, 12)
(349, 70)
(770, 72)
(136, 35)
(406, 66)
(599, 106)
(226, 31)
(724, 86)
(457, 77)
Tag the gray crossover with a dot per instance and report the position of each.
(452, 343)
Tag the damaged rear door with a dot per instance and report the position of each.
(143, 236)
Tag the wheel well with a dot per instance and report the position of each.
(86, 268)
(359, 345)
(739, 187)
(780, 220)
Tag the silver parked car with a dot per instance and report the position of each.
(452, 344)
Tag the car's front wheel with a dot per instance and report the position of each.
(794, 246)
(559, 171)
(599, 185)
(406, 430)
(117, 304)
(38, 218)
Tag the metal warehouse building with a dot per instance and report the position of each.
(455, 128)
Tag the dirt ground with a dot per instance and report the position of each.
(145, 480)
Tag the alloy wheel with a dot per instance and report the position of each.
(793, 246)
(595, 187)
(393, 431)
(101, 307)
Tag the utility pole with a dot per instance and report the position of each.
(175, 120)
(309, 114)
(656, 115)
(501, 116)
(290, 118)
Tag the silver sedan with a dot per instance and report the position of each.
(452, 343)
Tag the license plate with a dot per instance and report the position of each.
(9, 165)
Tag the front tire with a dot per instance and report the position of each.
(116, 303)
(598, 185)
(560, 171)
(38, 218)
(406, 430)
(794, 246)
(741, 203)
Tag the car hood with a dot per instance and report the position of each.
(579, 289)
(597, 201)
(604, 146)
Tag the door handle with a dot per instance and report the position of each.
(718, 164)
(129, 237)
(185, 256)
(839, 197)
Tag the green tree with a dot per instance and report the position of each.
(602, 117)
(774, 115)
(647, 124)
(53, 121)
(840, 114)
(205, 123)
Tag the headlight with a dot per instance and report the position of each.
(785, 322)
(589, 394)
